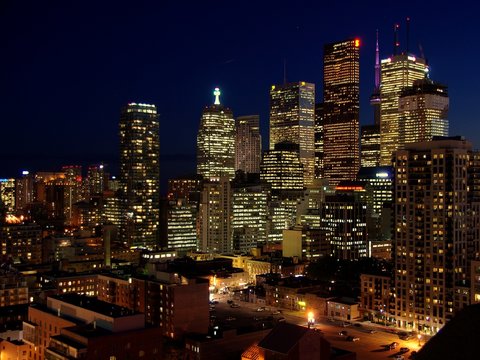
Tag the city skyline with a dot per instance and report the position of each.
(52, 71)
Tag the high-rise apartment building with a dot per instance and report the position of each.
(435, 206)
(398, 73)
(216, 141)
(248, 144)
(97, 179)
(292, 119)
(341, 97)
(319, 138)
(423, 111)
(215, 216)
(24, 191)
(7, 195)
(140, 173)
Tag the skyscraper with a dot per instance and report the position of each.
(248, 144)
(282, 169)
(423, 111)
(292, 119)
(140, 173)
(370, 149)
(341, 81)
(319, 138)
(435, 207)
(215, 216)
(216, 141)
(398, 73)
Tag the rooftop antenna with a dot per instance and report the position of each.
(408, 34)
(396, 43)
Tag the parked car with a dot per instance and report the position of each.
(261, 309)
(357, 325)
(399, 357)
(352, 338)
(234, 305)
(404, 349)
(280, 319)
(343, 333)
(276, 312)
(372, 331)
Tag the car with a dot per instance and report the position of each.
(352, 338)
(234, 305)
(213, 302)
(406, 337)
(281, 319)
(276, 312)
(372, 331)
(343, 333)
(346, 324)
(357, 325)
(261, 309)
(393, 345)
(404, 349)
(399, 357)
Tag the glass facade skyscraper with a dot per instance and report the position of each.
(292, 119)
(398, 73)
(341, 97)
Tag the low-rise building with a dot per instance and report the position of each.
(343, 309)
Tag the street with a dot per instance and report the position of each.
(370, 346)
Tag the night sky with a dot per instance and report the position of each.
(67, 67)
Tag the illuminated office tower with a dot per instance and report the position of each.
(281, 167)
(248, 144)
(292, 119)
(379, 187)
(183, 204)
(249, 216)
(398, 73)
(341, 79)
(97, 179)
(319, 138)
(423, 111)
(140, 173)
(215, 216)
(370, 145)
(7, 195)
(216, 141)
(24, 191)
(344, 220)
(181, 225)
(436, 231)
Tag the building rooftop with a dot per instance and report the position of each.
(458, 339)
(283, 337)
(93, 304)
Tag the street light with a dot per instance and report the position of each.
(310, 320)
(419, 338)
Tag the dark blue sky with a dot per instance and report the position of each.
(66, 67)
